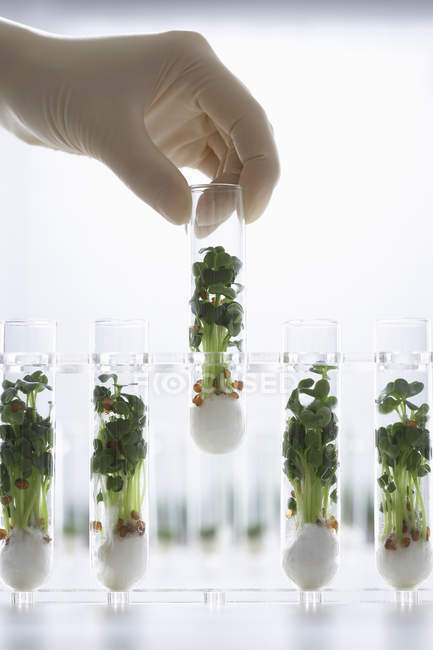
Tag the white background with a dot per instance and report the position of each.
(347, 235)
(348, 232)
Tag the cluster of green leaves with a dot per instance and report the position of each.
(255, 531)
(119, 448)
(25, 453)
(208, 533)
(309, 447)
(218, 317)
(403, 451)
(165, 534)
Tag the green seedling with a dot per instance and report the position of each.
(119, 449)
(310, 451)
(208, 533)
(403, 451)
(256, 531)
(26, 461)
(218, 317)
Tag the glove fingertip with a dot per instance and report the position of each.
(176, 207)
(258, 178)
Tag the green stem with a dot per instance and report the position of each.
(213, 370)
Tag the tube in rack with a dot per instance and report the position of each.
(403, 452)
(310, 512)
(27, 454)
(118, 486)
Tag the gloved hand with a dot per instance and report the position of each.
(144, 105)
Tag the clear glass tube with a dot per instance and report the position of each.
(217, 332)
(310, 491)
(170, 385)
(119, 485)
(403, 452)
(27, 454)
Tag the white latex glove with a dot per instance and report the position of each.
(144, 105)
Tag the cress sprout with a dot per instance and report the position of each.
(255, 531)
(119, 451)
(310, 452)
(26, 468)
(218, 320)
(310, 463)
(403, 452)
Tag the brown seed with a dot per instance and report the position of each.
(198, 400)
(227, 373)
(6, 500)
(404, 527)
(123, 530)
(389, 544)
(107, 403)
(11, 525)
(119, 524)
(197, 387)
(405, 541)
(234, 395)
(416, 535)
(3, 533)
(141, 527)
(319, 522)
(238, 384)
(135, 515)
(427, 534)
(332, 523)
(21, 484)
(412, 423)
(408, 506)
(42, 522)
(15, 406)
(293, 493)
(47, 539)
(96, 526)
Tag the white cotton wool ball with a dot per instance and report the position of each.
(311, 560)
(121, 561)
(405, 567)
(217, 426)
(25, 561)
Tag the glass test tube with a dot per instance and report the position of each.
(310, 493)
(27, 454)
(403, 452)
(119, 435)
(217, 331)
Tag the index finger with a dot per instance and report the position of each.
(233, 109)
